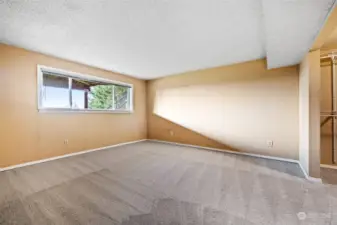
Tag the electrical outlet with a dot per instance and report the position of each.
(270, 143)
(66, 141)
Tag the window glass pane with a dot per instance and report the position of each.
(78, 99)
(122, 98)
(85, 93)
(91, 94)
(55, 91)
(100, 96)
(80, 93)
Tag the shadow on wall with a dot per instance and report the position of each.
(173, 132)
(255, 115)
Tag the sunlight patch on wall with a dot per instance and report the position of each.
(242, 114)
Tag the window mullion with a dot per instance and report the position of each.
(129, 100)
(113, 98)
(52, 92)
(70, 92)
(131, 95)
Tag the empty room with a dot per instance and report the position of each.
(158, 112)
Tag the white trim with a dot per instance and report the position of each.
(303, 170)
(113, 98)
(329, 166)
(131, 98)
(69, 110)
(68, 155)
(228, 151)
(67, 73)
(70, 75)
(312, 179)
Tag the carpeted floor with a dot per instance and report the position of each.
(151, 183)
(329, 176)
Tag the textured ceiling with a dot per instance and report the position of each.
(153, 38)
(291, 27)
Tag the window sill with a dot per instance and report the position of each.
(50, 110)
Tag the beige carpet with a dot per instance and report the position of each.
(152, 183)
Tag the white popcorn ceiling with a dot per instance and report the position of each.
(291, 27)
(153, 38)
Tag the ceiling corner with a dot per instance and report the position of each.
(327, 28)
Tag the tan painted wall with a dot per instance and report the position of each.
(28, 135)
(326, 134)
(304, 144)
(237, 107)
(315, 111)
(326, 130)
(309, 113)
(331, 42)
(325, 33)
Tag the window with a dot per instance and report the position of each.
(63, 90)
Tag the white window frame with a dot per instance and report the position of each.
(69, 74)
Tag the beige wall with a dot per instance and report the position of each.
(326, 33)
(309, 113)
(239, 107)
(326, 130)
(28, 135)
(326, 134)
(331, 42)
(304, 145)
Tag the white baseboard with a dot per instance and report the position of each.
(329, 166)
(228, 151)
(312, 179)
(172, 143)
(68, 155)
